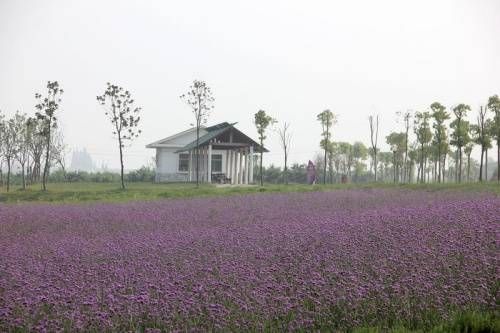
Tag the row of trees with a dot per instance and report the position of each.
(33, 142)
(439, 135)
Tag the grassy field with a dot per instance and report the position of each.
(111, 192)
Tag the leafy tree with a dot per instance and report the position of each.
(468, 150)
(424, 136)
(359, 154)
(327, 120)
(494, 106)
(460, 135)
(21, 142)
(262, 122)
(36, 145)
(9, 140)
(285, 141)
(47, 108)
(397, 141)
(124, 116)
(440, 136)
(481, 137)
(201, 101)
(374, 141)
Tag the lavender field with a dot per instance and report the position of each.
(320, 260)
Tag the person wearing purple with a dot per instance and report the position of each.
(311, 173)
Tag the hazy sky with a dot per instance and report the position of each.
(291, 58)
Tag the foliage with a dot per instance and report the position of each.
(262, 121)
(124, 117)
(201, 101)
(47, 107)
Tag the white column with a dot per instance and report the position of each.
(230, 172)
(209, 161)
(247, 168)
(240, 174)
(227, 163)
(235, 169)
(190, 166)
(250, 169)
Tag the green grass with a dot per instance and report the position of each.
(111, 192)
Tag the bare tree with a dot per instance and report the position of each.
(285, 141)
(124, 117)
(201, 101)
(59, 150)
(374, 141)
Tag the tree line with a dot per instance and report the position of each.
(430, 148)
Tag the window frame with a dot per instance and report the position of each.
(182, 159)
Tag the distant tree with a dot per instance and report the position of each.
(468, 150)
(285, 141)
(36, 146)
(481, 137)
(201, 101)
(327, 120)
(59, 150)
(21, 142)
(406, 116)
(494, 106)
(124, 116)
(440, 136)
(262, 122)
(424, 136)
(374, 141)
(460, 135)
(2, 144)
(47, 108)
(9, 139)
(397, 142)
(359, 154)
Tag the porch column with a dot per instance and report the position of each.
(235, 167)
(240, 174)
(247, 166)
(227, 163)
(250, 169)
(209, 161)
(230, 171)
(190, 166)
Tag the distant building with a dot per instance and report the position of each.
(82, 161)
(225, 155)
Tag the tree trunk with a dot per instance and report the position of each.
(23, 175)
(481, 165)
(460, 165)
(498, 162)
(121, 161)
(375, 164)
(261, 155)
(197, 155)
(486, 166)
(47, 159)
(8, 175)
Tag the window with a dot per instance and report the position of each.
(183, 162)
(216, 162)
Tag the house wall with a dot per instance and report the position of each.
(167, 165)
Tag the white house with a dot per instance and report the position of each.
(223, 149)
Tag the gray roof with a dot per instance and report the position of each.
(213, 132)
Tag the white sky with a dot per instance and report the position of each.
(291, 58)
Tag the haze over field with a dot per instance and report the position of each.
(291, 58)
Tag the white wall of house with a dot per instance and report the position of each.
(168, 165)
